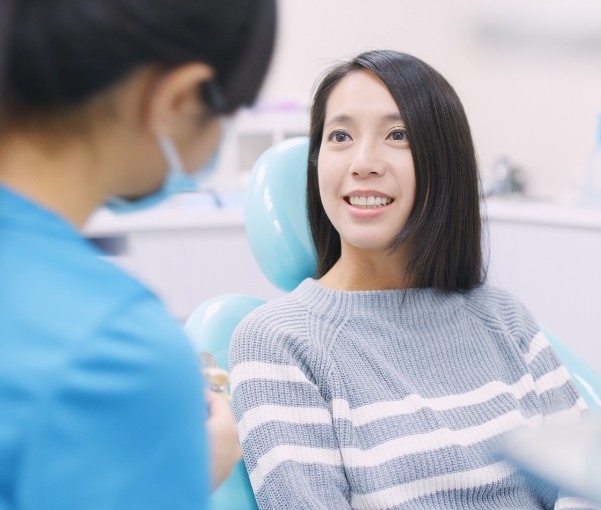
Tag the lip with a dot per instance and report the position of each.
(367, 213)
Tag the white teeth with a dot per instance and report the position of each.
(369, 202)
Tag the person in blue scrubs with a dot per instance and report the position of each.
(112, 102)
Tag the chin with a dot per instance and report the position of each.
(370, 245)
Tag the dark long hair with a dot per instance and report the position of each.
(59, 53)
(444, 225)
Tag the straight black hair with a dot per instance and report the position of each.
(444, 226)
(58, 53)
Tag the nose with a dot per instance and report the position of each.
(366, 161)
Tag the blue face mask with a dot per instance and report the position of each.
(177, 180)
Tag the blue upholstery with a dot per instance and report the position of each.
(276, 214)
(587, 380)
(211, 326)
(278, 233)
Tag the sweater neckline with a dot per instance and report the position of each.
(402, 304)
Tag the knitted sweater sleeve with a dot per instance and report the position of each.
(558, 398)
(283, 408)
(557, 394)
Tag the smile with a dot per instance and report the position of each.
(369, 202)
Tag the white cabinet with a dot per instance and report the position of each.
(549, 256)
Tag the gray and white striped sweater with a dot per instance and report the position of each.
(393, 399)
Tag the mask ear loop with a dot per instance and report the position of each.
(171, 155)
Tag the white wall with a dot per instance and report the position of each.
(529, 73)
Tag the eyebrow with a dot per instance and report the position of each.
(343, 118)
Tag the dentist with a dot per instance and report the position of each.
(114, 102)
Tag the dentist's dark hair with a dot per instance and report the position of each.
(443, 231)
(57, 54)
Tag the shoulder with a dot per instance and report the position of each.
(85, 317)
(283, 331)
(285, 313)
(130, 397)
(501, 311)
(121, 336)
(280, 318)
(118, 373)
(65, 299)
(490, 296)
(127, 350)
(59, 268)
(490, 301)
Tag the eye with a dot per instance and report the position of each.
(398, 135)
(338, 137)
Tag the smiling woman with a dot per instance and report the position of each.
(421, 116)
(390, 379)
(367, 186)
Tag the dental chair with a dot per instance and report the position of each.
(278, 233)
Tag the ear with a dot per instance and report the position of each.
(176, 98)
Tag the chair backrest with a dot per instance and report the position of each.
(275, 213)
(278, 233)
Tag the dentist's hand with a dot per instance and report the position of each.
(223, 436)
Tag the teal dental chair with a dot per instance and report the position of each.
(278, 233)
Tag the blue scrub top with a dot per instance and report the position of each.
(101, 403)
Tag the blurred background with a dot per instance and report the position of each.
(529, 75)
(528, 72)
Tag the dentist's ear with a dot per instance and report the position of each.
(176, 99)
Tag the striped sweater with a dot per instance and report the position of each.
(393, 399)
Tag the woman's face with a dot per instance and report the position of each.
(365, 168)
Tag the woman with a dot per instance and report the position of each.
(387, 381)
(108, 102)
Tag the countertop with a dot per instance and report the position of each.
(183, 212)
(517, 209)
(199, 211)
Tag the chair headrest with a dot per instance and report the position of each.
(275, 214)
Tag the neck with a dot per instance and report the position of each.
(58, 178)
(375, 271)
